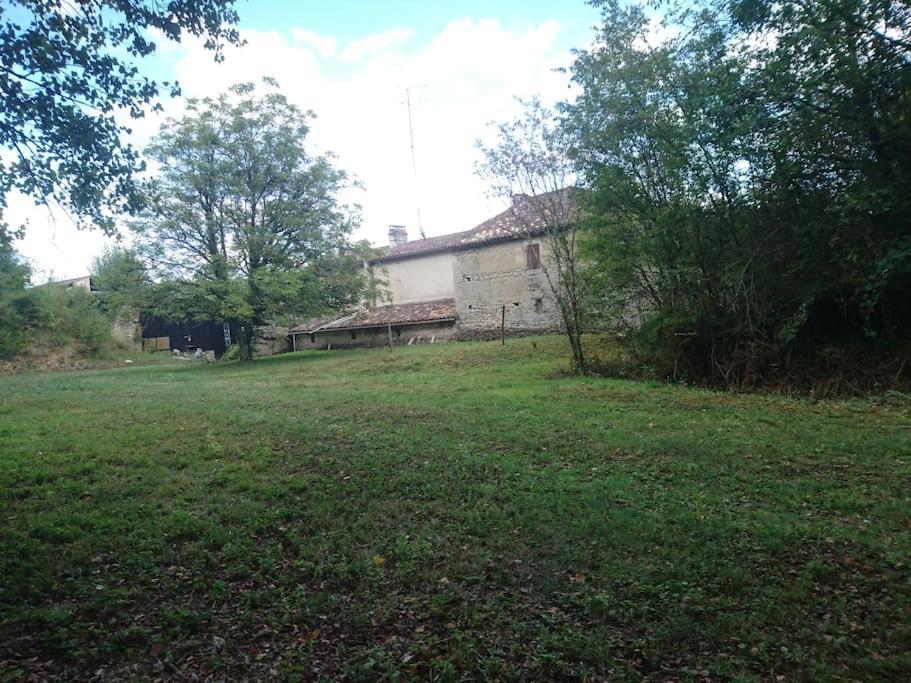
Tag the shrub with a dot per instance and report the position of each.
(54, 317)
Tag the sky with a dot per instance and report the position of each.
(351, 61)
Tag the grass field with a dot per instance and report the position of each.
(447, 511)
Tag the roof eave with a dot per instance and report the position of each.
(462, 247)
(376, 325)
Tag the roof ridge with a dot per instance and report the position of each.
(505, 225)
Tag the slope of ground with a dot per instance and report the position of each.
(444, 512)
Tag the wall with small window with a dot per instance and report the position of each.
(510, 274)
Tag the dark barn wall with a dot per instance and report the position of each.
(186, 336)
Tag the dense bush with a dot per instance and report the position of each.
(50, 317)
(751, 187)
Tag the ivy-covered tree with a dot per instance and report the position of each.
(243, 219)
(67, 69)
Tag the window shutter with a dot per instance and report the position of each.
(532, 256)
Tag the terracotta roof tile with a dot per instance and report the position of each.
(316, 323)
(401, 314)
(527, 216)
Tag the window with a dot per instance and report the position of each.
(539, 305)
(353, 335)
(532, 256)
(312, 338)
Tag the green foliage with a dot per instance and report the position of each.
(52, 317)
(65, 317)
(750, 180)
(463, 513)
(121, 281)
(232, 353)
(49, 316)
(67, 69)
(14, 275)
(243, 222)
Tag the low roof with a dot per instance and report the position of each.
(528, 216)
(74, 281)
(439, 310)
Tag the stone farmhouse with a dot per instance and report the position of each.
(465, 285)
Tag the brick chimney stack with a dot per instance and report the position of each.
(398, 235)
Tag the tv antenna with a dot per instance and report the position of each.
(414, 163)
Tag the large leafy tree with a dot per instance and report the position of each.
(67, 69)
(835, 80)
(751, 177)
(243, 220)
(660, 130)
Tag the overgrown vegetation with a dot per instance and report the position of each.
(750, 186)
(37, 319)
(747, 167)
(446, 512)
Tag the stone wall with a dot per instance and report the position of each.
(127, 329)
(270, 340)
(378, 336)
(496, 275)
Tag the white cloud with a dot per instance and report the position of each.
(325, 46)
(461, 79)
(53, 247)
(658, 33)
(357, 50)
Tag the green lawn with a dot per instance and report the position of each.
(447, 511)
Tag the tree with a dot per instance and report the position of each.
(67, 69)
(659, 130)
(750, 178)
(530, 158)
(244, 220)
(14, 276)
(121, 281)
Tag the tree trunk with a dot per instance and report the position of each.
(245, 341)
(575, 342)
(573, 326)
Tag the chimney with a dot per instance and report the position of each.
(519, 198)
(398, 235)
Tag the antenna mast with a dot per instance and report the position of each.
(414, 163)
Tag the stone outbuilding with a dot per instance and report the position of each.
(465, 285)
